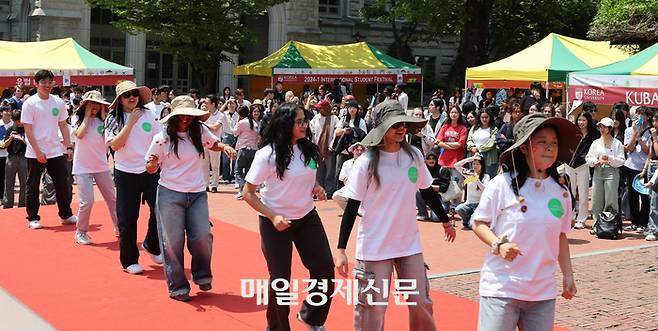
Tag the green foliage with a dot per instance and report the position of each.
(197, 31)
(626, 22)
(516, 24)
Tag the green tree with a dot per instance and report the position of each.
(198, 32)
(626, 22)
(413, 20)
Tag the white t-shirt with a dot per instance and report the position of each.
(531, 276)
(182, 172)
(215, 118)
(130, 157)
(403, 99)
(90, 155)
(388, 227)
(345, 170)
(481, 136)
(45, 116)
(291, 196)
(156, 109)
(636, 158)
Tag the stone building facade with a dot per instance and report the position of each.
(314, 21)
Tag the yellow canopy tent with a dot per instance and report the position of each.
(70, 62)
(548, 61)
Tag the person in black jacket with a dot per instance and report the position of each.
(578, 170)
(505, 137)
(534, 97)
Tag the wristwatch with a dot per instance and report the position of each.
(495, 245)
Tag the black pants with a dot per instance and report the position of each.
(132, 191)
(326, 174)
(313, 247)
(58, 172)
(638, 203)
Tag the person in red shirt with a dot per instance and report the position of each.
(452, 140)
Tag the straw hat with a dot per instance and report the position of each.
(126, 86)
(183, 105)
(385, 115)
(93, 96)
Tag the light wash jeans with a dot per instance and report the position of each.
(180, 214)
(242, 164)
(105, 185)
(211, 160)
(579, 178)
(466, 211)
(653, 215)
(605, 184)
(505, 314)
(369, 316)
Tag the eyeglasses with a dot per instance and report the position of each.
(132, 93)
(398, 126)
(301, 122)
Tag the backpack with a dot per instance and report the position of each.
(608, 226)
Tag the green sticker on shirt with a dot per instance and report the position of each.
(147, 127)
(312, 164)
(555, 206)
(55, 111)
(413, 174)
(100, 129)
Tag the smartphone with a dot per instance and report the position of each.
(640, 122)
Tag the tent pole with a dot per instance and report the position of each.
(422, 86)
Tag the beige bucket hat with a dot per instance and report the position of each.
(127, 86)
(93, 96)
(183, 105)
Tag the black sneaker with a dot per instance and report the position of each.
(213, 190)
(181, 297)
(205, 287)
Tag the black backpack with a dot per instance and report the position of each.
(609, 225)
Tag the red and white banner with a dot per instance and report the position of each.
(609, 89)
(93, 80)
(314, 79)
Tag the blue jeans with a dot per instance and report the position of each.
(653, 215)
(180, 214)
(242, 164)
(465, 211)
(227, 164)
(505, 314)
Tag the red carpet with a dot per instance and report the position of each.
(75, 287)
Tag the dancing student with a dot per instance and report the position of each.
(577, 168)
(129, 130)
(44, 118)
(90, 162)
(524, 215)
(182, 200)
(287, 163)
(383, 182)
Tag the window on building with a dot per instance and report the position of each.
(101, 16)
(329, 7)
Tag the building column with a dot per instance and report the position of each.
(225, 76)
(277, 28)
(136, 55)
(84, 38)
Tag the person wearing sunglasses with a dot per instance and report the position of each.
(129, 130)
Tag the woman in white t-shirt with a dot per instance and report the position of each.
(287, 163)
(482, 139)
(524, 215)
(129, 129)
(90, 162)
(247, 133)
(384, 182)
(606, 156)
(182, 200)
(475, 179)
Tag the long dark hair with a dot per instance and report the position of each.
(621, 118)
(357, 118)
(193, 131)
(118, 110)
(489, 112)
(278, 134)
(523, 169)
(591, 126)
(460, 119)
(80, 113)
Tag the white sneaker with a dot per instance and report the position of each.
(82, 238)
(36, 224)
(134, 269)
(71, 220)
(237, 186)
(238, 196)
(310, 327)
(650, 237)
(157, 259)
(579, 225)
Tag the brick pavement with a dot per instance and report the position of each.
(616, 291)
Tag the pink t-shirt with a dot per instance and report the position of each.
(451, 134)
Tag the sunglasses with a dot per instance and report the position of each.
(133, 93)
(397, 126)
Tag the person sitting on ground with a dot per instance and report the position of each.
(475, 180)
(356, 149)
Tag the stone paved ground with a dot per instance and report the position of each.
(616, 291)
